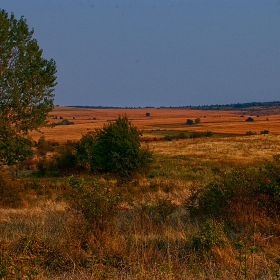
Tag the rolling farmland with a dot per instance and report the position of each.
(160, 120)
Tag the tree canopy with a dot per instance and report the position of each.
(115, 148)
(27, 82)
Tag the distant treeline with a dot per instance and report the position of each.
(271, 104)
(201, 107)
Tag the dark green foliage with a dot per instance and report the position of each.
(14, 149)
(239, 193)
(249, 133)
(265, 132)
(64, 122)
(211, 234)
(178, 136)
(84, 150)
(43, 146)
(249, 119)
(46, 168)
(189, 122)
(26, 84)
(269, 187)
(208, 133)
(66, 159)
(201, 134)
(115, 148)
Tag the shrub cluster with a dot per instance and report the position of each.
(63, 122)
(249, 119)
(182, 135)
(256, 190)
(265, 131)
(97, 203)
(115, 148)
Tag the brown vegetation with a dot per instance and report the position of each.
(207, 209)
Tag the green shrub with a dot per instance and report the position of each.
(46, 168)
(63, 122)
(208, 133)
(196, 135)
(220, 198)
(211, 234)
(95, 202)
(189, 122)
(159, 210)
(43, 146)
(201, 134)
(239, 193)
(84, 151)
(115, 148)
(265, 132)
(15, 150)
(268, 187)
(66, 159)
(249, 119)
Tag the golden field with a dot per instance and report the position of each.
(216, 121)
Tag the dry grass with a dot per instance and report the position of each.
(239, 150)
(136, 247)
(151, 236)
(36, 219)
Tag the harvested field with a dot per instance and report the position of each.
(160, 119)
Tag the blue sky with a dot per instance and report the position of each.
(158, 52)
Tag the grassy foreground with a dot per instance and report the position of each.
(208, 209)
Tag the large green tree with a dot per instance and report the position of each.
(27, 82)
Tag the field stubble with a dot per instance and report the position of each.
(216, 121)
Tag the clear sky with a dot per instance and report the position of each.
(158, 52)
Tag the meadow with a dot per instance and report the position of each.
(208, 208)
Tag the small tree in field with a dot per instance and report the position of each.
(115, 148)
(26, 84)
(249, 119)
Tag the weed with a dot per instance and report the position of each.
(211, 234)
(97, 203)
(158, 210)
